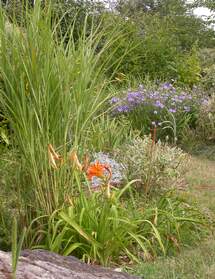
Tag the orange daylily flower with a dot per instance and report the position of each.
(97, 169)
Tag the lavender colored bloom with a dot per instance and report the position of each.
(159, 104)
(172, 110)
(151, 95)
(153, 101)
(167, 86)
(114, 100)
(122, 109)
(135, 97)
(182, 97)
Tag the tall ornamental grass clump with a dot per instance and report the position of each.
(53, 88)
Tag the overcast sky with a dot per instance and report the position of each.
(202, 11)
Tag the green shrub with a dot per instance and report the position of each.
(207, 57)
(157, 166)
(188, 68)
(92, 227)
(205, 127)
(108, 231)
(159, 48)
(208, 79)
(127, 50)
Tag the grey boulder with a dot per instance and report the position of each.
(40, 264)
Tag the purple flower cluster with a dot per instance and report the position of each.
(165, 98)
(132, 100)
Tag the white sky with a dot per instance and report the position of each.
(202, 11)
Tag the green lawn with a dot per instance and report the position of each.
(190, 264)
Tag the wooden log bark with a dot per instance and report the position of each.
(40, 264)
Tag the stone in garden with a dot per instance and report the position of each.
(40, 264)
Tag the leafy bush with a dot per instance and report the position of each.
(150, 47)
(205, 129)
(208, 79)
(159, 47)
(165, 107)
(127, 50)
(207, 58)
(157, 166)
(188, 68)
(107, 231)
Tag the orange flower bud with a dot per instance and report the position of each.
(54, 158)
(74, 159)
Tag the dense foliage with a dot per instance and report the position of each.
(93, 102)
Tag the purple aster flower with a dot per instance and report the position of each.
(182, 97)
(123, 109)
(135, 98)
(159, 104)
(172, 110)
(114, 100)
(167, 86)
